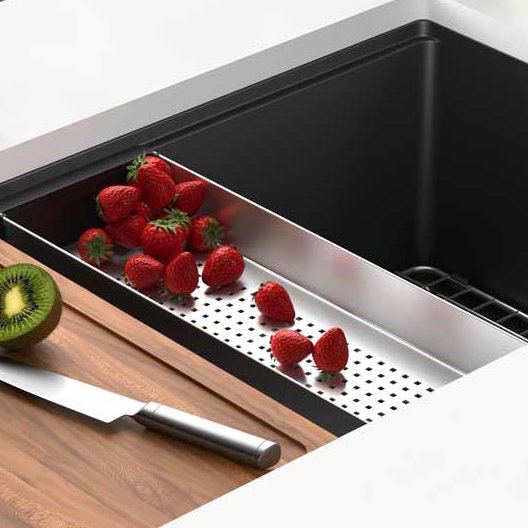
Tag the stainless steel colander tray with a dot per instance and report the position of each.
(404, 342)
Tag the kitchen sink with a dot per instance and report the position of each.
(383, 184)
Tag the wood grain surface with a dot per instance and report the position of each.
(59, 469)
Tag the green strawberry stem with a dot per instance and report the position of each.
(213, 234)
(326, 376)
(180, 299)
(182, 219)
(134, 167)
(168, 224)
(97, 249)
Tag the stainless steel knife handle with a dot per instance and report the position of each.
(232, 443)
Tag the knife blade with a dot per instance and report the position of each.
(107, 406)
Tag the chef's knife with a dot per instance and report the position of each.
(107, 406)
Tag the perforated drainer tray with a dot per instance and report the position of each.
(404, 342)
(383, 374)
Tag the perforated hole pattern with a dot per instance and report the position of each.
(369, 388)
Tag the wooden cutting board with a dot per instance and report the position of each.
(59, 469)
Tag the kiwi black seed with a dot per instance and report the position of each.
(30, 305)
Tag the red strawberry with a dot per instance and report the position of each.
(206, 233)
(127, 232)
(163, 239)
(181, 276)
(156, 184)
(95, 246)
(274, 301)
(143, 271)
(151, 161)
(331, 352)
(142, 209)
(116, 202)
(223, 266)
(290, 347)
(179, 218)
(189, 196)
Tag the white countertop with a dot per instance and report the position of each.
(458, 459)
(68, 61)
(79, 72)
(514, 12)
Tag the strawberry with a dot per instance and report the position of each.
(181, 276)
(223, 266)
(154, 181)
(163, 239)
(142, 209)
(179, 218)
(206, 233)
(274, 301)
(189, 196)
(151, 161)
(331, 352)
(143, 271)
(116, 202)
(290, 347)
(127, 232)
(95, 246)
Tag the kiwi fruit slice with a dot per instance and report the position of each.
(30, 305)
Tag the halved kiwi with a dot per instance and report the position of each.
(30, 305)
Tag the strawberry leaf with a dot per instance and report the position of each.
(180, 299)
(97, 249)
(134, 167)
(326, 376)
(179, 217)
(168, 224)
(213, 233)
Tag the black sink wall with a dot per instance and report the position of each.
(481, 192)
(339, 155)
